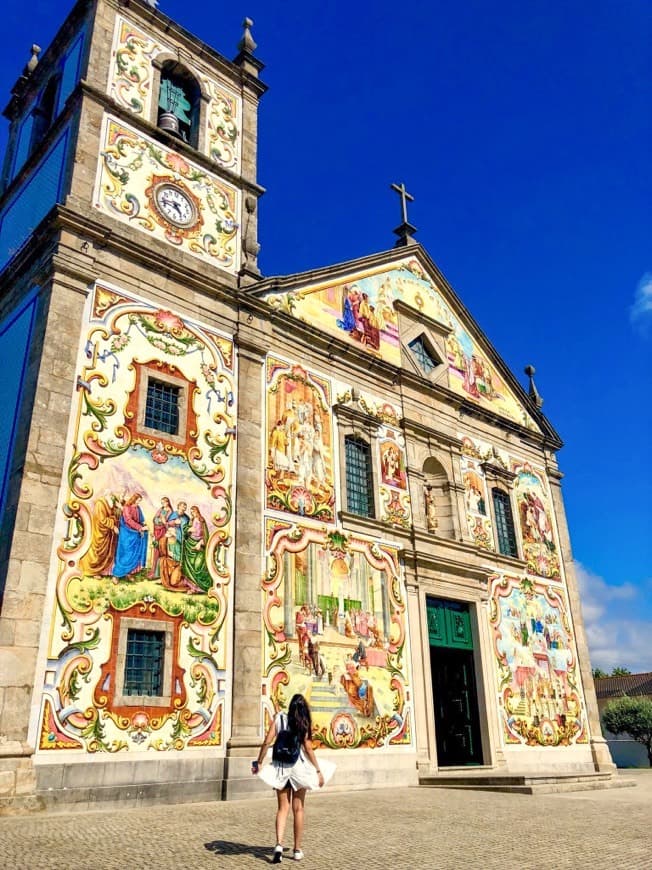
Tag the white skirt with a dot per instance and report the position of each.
(299, 775)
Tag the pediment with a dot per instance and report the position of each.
(388, 306)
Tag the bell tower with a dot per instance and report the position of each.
(129, 202)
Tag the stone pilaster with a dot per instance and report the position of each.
(599, 748)
(246, 722)
(36, 477)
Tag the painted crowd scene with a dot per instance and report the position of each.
(335, 621)
(147, 542)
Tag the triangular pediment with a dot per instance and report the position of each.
(399, 308)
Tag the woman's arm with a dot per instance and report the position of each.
(269, 739)
(312, 758)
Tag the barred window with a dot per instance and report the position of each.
(426, 359)
(162, 406)
(144, 663)
(359, 477)
(504, 523)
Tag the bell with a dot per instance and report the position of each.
(169, 122)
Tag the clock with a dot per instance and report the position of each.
(175, 205)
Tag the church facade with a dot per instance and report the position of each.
(220, 489)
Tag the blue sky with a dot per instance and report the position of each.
(523, 130)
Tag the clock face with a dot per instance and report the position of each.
(175, 205)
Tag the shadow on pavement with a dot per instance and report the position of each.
(226, 847)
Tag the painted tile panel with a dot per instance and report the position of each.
(535, 516)
(131, 83)
(156, 191)
(360, 309)
(540, 698)
(145, 537)
(299, 477)
(335, 629)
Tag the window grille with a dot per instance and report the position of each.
(359, 477)
(144, 663)
(162, 407)
(427, 361)
(504, 523)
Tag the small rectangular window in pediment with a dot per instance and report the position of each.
(425, 357)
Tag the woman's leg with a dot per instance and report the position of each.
(282, 810)
(298, 798)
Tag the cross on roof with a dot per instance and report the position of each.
(406, 230)
(405, 197)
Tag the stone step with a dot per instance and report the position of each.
(526, 783)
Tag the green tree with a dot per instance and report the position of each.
(631, 716)
(620, 672)
(598, 672)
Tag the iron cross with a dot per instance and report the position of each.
(405, 196)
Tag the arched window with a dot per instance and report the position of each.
(504, 522)
(359, 477)
(178, 102)
(44, 112)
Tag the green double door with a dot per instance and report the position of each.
(457, 719)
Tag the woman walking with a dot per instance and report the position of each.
(291, 778)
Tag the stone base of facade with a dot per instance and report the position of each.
(355, 771)
(126, 783)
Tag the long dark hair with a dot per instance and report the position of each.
(299, 718)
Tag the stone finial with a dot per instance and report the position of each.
(247, 44)
(32, 63)
(530, 371)
(152, 3)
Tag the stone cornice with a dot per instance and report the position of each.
(356, 415)
(371, 526)
(497, 471)
(423, 319)
(424, 432)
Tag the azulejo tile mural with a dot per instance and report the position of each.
(394, 499)
(159, 192)
(477, 505)
(131, 83)
(361, 310)
(131, 73)
(145, 560)
(335, 629)
(539, 543)
(539, 691)
(299, 477)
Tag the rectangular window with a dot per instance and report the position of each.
(162, 407)
(359, 477)
(504, 523)
(144, 663)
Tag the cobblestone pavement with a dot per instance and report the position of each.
(366, 830)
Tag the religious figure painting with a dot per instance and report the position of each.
(361, 309)
(148, 533)
(475, 499)
(540, 695)
(299, 476)
(335, 622)
(392, 460)
(539, 546)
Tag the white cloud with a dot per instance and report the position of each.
(616, 637)
(641, 310)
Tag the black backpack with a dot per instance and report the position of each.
(286, 746)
